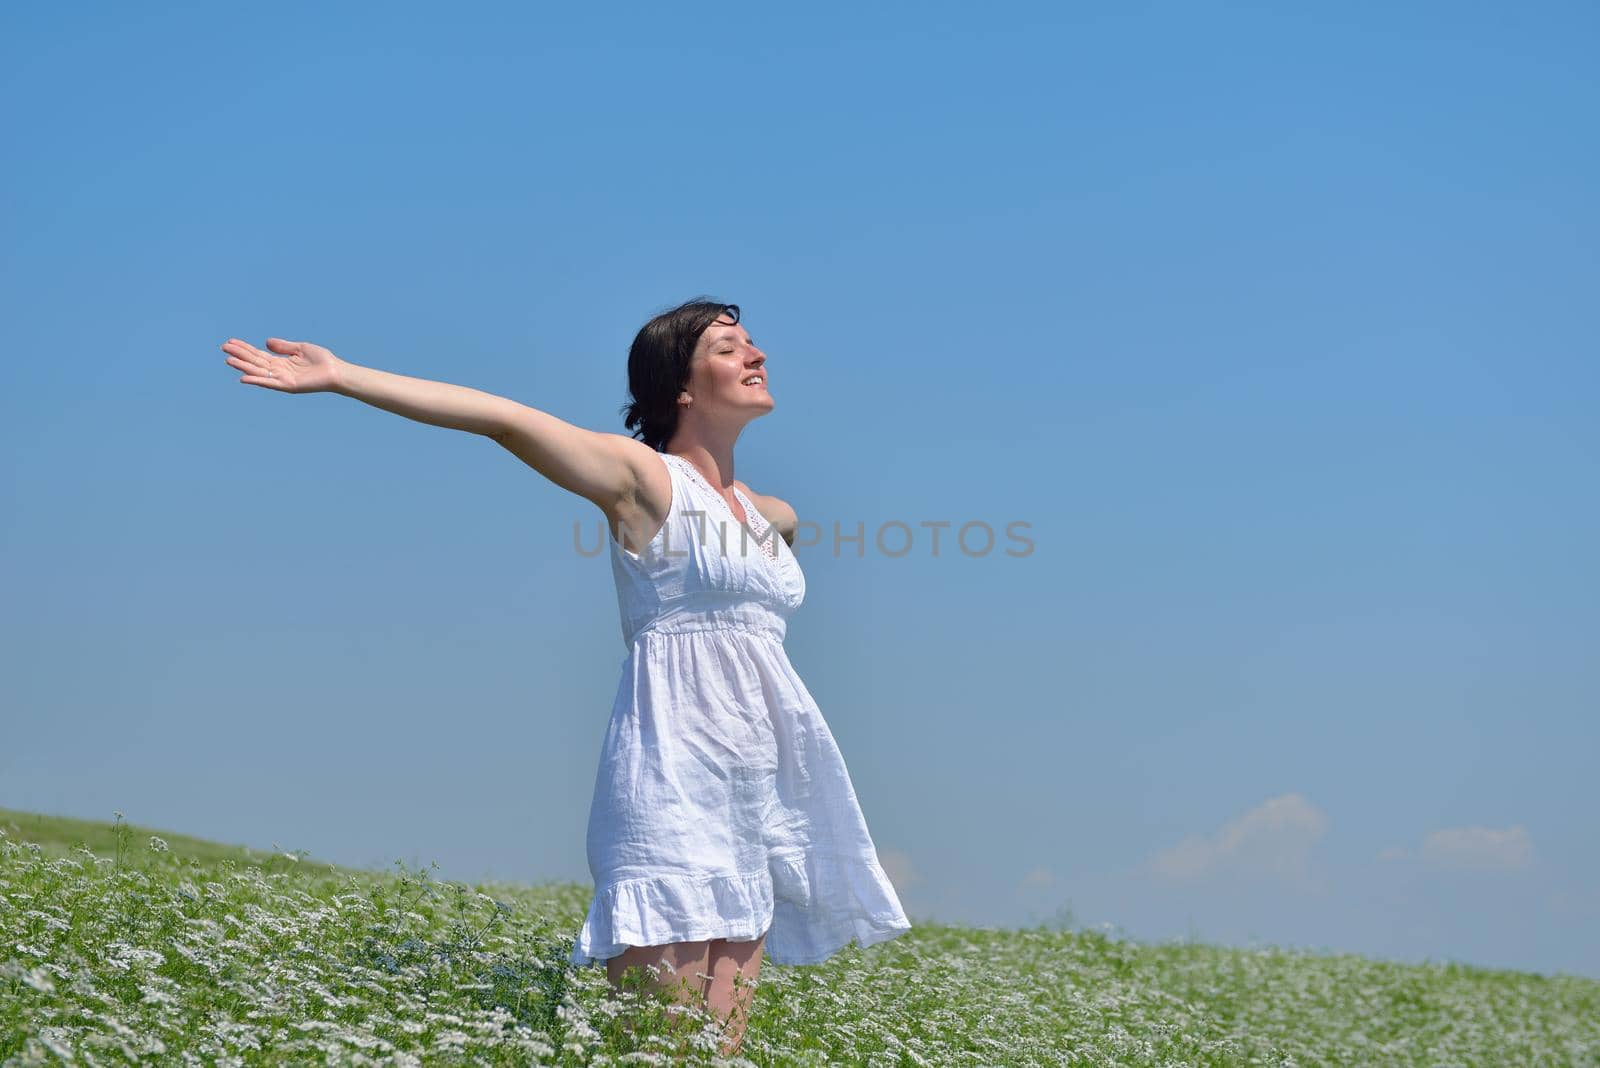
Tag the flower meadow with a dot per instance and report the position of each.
(120, 945)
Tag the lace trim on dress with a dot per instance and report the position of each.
(768, 543)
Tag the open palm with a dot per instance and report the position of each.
(291, 366)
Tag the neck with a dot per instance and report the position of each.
(714, 457)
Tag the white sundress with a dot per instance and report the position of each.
(722, 806)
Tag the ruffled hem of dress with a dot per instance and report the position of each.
(821, 904)
(824, 902)
(640, 912)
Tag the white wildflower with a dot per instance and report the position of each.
(57, 1040)
(53, 922)
(160, 997)
(451, 1040)
(123, 957)
(40, 980)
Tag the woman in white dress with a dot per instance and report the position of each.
(723, 823)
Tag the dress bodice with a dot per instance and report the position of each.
(704, 570)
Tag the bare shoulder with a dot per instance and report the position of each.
(774, 510)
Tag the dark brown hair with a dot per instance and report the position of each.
(658, 367)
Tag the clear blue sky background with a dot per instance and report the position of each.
(1277, 327)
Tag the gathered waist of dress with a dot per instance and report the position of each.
(690, 616)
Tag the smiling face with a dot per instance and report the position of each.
(728, 373)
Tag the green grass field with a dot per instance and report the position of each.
(123, 945)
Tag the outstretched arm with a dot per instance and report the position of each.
(424, 400)
(301, 367)
(604, 468)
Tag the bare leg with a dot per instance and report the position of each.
(683, 968)
(733, 967)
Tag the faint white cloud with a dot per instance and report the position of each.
(1478, 848)
(1274, 839)
(898, 867)
(1039, 879)
(1394, 853)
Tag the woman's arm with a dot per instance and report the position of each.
(604, 468)
(436, 403)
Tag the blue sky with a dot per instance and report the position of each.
(1275, 327)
